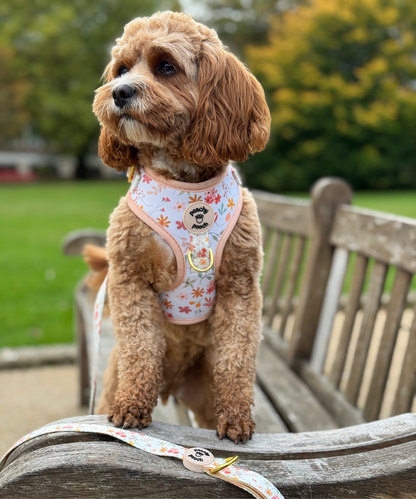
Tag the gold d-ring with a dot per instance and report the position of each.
(228, 462)
(196, 268)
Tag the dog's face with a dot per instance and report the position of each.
(172, 84)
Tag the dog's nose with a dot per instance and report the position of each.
(122, 94)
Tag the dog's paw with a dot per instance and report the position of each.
(238, 428)
(129, 416)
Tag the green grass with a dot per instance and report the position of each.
(37, 281)
(34, 219)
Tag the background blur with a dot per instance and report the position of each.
(340, 79)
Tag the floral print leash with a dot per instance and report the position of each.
(195, 459)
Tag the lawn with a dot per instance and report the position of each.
(37, 281)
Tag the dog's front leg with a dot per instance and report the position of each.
(137, 318)
(137, 321)
(237, 326)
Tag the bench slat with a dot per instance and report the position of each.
(284, 213)
(363, 343)
(294, 401)
(385, 237)
(291, 286)
(87, 467)
(281, 273)
(351, 310)
(406, 386)
(264, 414)
(334, 402)
(329, 308)
(271, 262)
(388, 340)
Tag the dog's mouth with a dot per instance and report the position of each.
(127, 117)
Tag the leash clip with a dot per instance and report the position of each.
(228, 462)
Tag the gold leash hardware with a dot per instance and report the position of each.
(228, 462)
(211, 256)
(131, 173)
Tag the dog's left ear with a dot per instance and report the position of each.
(114, 153)
(232, 120)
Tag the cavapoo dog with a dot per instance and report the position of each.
(183, 247)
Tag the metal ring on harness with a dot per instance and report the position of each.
(211, 255)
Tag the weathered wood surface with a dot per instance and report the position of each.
(368, 461)
(363, 342)
(329, 308)
(327, 194)
(293, 279)
(19, 357)
(284, 213)
(294, 402)
(75, 241)
(406, 386)
(269, 265)
(351, 310)
(281, 273)
(388, 238)
(264, 414)
(388, 341)
(334, 402)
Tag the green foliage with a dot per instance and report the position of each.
(340, 77)
(52, 55)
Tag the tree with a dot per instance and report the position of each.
(341, 79)
(57, 52)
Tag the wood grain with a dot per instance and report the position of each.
(406, 386)
(385, 237)
(388, 340)
(327, 194)
(351, 310)
(281, 273)
(369, 465)
(294, 402)
(363, 342)
(329, 308)
(292, 282)
(270, 264)
(286, 214)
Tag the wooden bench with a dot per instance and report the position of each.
(322, 378)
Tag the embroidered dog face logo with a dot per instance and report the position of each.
(198, 217)
(195, 458)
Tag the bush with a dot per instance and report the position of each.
(340, 77)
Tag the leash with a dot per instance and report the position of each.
(195, 459)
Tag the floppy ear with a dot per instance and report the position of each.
(232, 120)
(114, 153)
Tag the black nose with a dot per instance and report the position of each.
(122, 94)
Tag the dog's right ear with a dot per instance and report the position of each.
(114, 153)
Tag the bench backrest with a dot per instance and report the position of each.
(338, 257)
(370, 246)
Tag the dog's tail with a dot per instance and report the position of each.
(96, 258)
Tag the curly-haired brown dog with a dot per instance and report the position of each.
(178, 102)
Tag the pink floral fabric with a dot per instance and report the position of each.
(257, 485)
(193, 298)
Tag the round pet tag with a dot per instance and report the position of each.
(194, 459)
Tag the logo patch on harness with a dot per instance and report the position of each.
(198, 217)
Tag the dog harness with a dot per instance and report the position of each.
(196, 221)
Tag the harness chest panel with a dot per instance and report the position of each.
(196, 221)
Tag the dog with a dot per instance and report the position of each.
(177, 105)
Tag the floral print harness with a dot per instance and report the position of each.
(196, 221)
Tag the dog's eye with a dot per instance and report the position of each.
(166, 69)
(122, 71)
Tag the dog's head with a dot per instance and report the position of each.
(172, 84)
